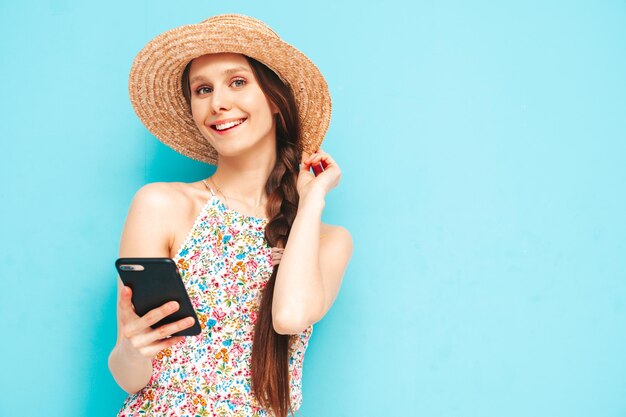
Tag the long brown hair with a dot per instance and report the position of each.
(270, 350)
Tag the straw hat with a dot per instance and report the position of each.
(155, 80)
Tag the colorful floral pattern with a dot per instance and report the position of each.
(224, 262)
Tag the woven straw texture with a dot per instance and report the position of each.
(155, 80)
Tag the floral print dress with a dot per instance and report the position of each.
(224, 263)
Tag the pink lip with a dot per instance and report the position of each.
(230, 129)
(222, 121)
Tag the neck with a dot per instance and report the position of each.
(244, 181)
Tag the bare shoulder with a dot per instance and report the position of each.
(170, 194)
(336, 233)
(158, 195)
(153, 217)
(174, 202)
(161, 200)
(332, 228)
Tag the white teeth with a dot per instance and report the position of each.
(229, 124)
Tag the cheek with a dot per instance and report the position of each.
(262, 109)
(196, 113)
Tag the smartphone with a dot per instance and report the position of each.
(154, 282)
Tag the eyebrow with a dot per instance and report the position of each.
(227, 71)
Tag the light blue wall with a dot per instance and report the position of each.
(483, 151)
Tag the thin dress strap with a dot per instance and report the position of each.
(207, 186)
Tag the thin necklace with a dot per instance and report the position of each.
(226, 198)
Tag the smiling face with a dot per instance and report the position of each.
(228, 105)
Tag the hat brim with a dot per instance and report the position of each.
(155, 80)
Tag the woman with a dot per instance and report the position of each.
(207, 91)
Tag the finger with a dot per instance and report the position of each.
(152, 350)
(318, 152)
(314, 155)
(125, 304)
(151, 317)
(307, 161)
(323, 157)
(155, 315)
(305, 165)
(168, 329)
(317, 169)
(319, 161)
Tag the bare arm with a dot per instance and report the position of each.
(312, 266)
(299, 290)
(145, 234)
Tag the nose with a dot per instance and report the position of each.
(220, 101)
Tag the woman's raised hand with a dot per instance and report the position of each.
(137, 337)
(325, 181)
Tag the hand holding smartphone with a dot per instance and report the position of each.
(155, 284)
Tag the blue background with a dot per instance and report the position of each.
(483, 152)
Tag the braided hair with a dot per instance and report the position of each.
(270, 350)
